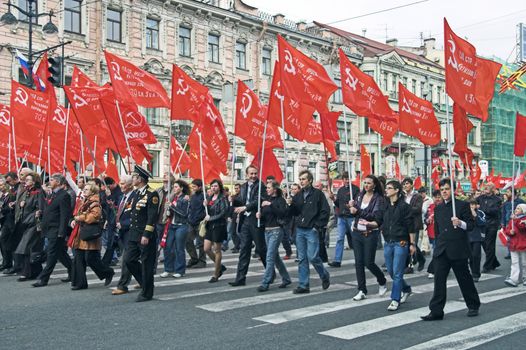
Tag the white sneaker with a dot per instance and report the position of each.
(430, 276)
(360, 296)
(393, 306)
(510, 282)
(178, 275)
(404, 297)
(382, 290)
(165, 274)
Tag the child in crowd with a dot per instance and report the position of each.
(516, 231)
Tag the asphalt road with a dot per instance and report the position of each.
(190, 313)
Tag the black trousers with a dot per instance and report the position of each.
(250, 233)
(28, 268)
(140, 261)
(56, 250)
(364, 256)
(7, 254)
(126, 276)
(81, 260)
(285, 241)
(474, 260)
(195, 250)
(442, 265)
(491, 262)
(323, 248)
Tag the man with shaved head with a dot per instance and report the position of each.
(490, 204)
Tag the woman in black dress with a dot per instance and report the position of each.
(216, 226)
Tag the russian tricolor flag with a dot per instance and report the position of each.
(23, 63)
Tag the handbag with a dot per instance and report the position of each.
(202, 229)
(90, 232)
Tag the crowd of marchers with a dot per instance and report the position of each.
(99, 223)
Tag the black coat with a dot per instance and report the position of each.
(252, 205)
(373, 212)
(218, 212)
(312, 211)
(125, 216)
(416, 204)
(144, 214)
(491, 206)
(454, 242)
(397, 221)
(196, 209)
(57, 214)
(273, 215)
(343, 196)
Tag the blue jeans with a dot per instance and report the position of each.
(174, 253)
(344, 226)
(395, 260)
(273, 239)
(308, 245)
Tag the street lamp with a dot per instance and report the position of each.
(49, 28)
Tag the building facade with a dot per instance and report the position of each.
(218, 43)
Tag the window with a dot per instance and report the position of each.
(239, 168)
(422, 88)
(113, 25)
(431, 96)
(213, 48)
(184, 42)
(337, 96)
(413, 86)
(152, 34)
(72, 16)
(155, 164)
(312, 168)
(24, 5)
(266, 64)
(217, 103)
(241, 55)
(404, 81)
(290, 171)
(152, 116)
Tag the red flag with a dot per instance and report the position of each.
(111, 167)
(417, 117)
(214, 135)
(520, 181)
(462, 127)
(487, 72)
(251, 116)
(134, 84)
(303, 79)
(85, 103)
(79, 79)
(365, 162)
(474, 177)
(361, 93)
(179, 156)
(187, 96)
(418, 182)
(5, 122)
(496, 180)
(461, 70)
(41, 76)
(520, 136)
(6, 142)
(296, 115)
(326, 131)
(398, 174)
(386, 128)
(270, 165)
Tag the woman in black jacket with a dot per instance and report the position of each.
(273, 212)
(368, 211)
(399, 234)
(216, 232)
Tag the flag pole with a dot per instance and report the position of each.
(125, 136)
(202, 169)
(82, 160)
(450, 156)
(66, 136)
(95, 155)
(169, 192)
(513, 191)
(180, 158)
(234, 151)
(329, 182)
(400, 154)
(9, 152)
(14, 141)
(369, 148)
(347, 150)
(284, 144)
(262, 155)
(48, 155)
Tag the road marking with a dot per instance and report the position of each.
(478, 335)
(361, 329)
(320, 309)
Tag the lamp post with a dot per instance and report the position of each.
(49, 28)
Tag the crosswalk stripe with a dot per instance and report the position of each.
(265, 298)
(218, 290)
(478, 335)
(345, 304)
(361, 329)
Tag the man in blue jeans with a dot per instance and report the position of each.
(345, 218)
(312, 211)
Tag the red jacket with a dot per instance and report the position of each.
(518, 240)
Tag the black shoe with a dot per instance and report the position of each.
(485, 270)
(432, 317)
(78, 288)
(223, 269)
(23, 279)
(284, 284)
(300, 290)
(141, 298)
(325, 284)
(191, 263)
(507, 257)
(235, 250)
(10, 271)
(108, 280)
(199, 265)
(66, 280)
(409, 270)
(476, 279)
(335, 264)
(213, 279)
(2, 268)
(237, 283)
(421, 265)
(262, 289)
(39, 284)
(473, 312)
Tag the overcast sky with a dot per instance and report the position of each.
(488, 24)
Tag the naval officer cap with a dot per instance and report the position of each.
(140, 171)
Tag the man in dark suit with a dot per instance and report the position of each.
(246, 206)
(141, 255)
(55, 218)
(416, 202)
(452, 251)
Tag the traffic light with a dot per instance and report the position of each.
(55, 69)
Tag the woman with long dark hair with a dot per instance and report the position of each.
(368, 212)
(273, 212)
(31, 245)
(176, 230)
(216, 226)
(398, 230)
